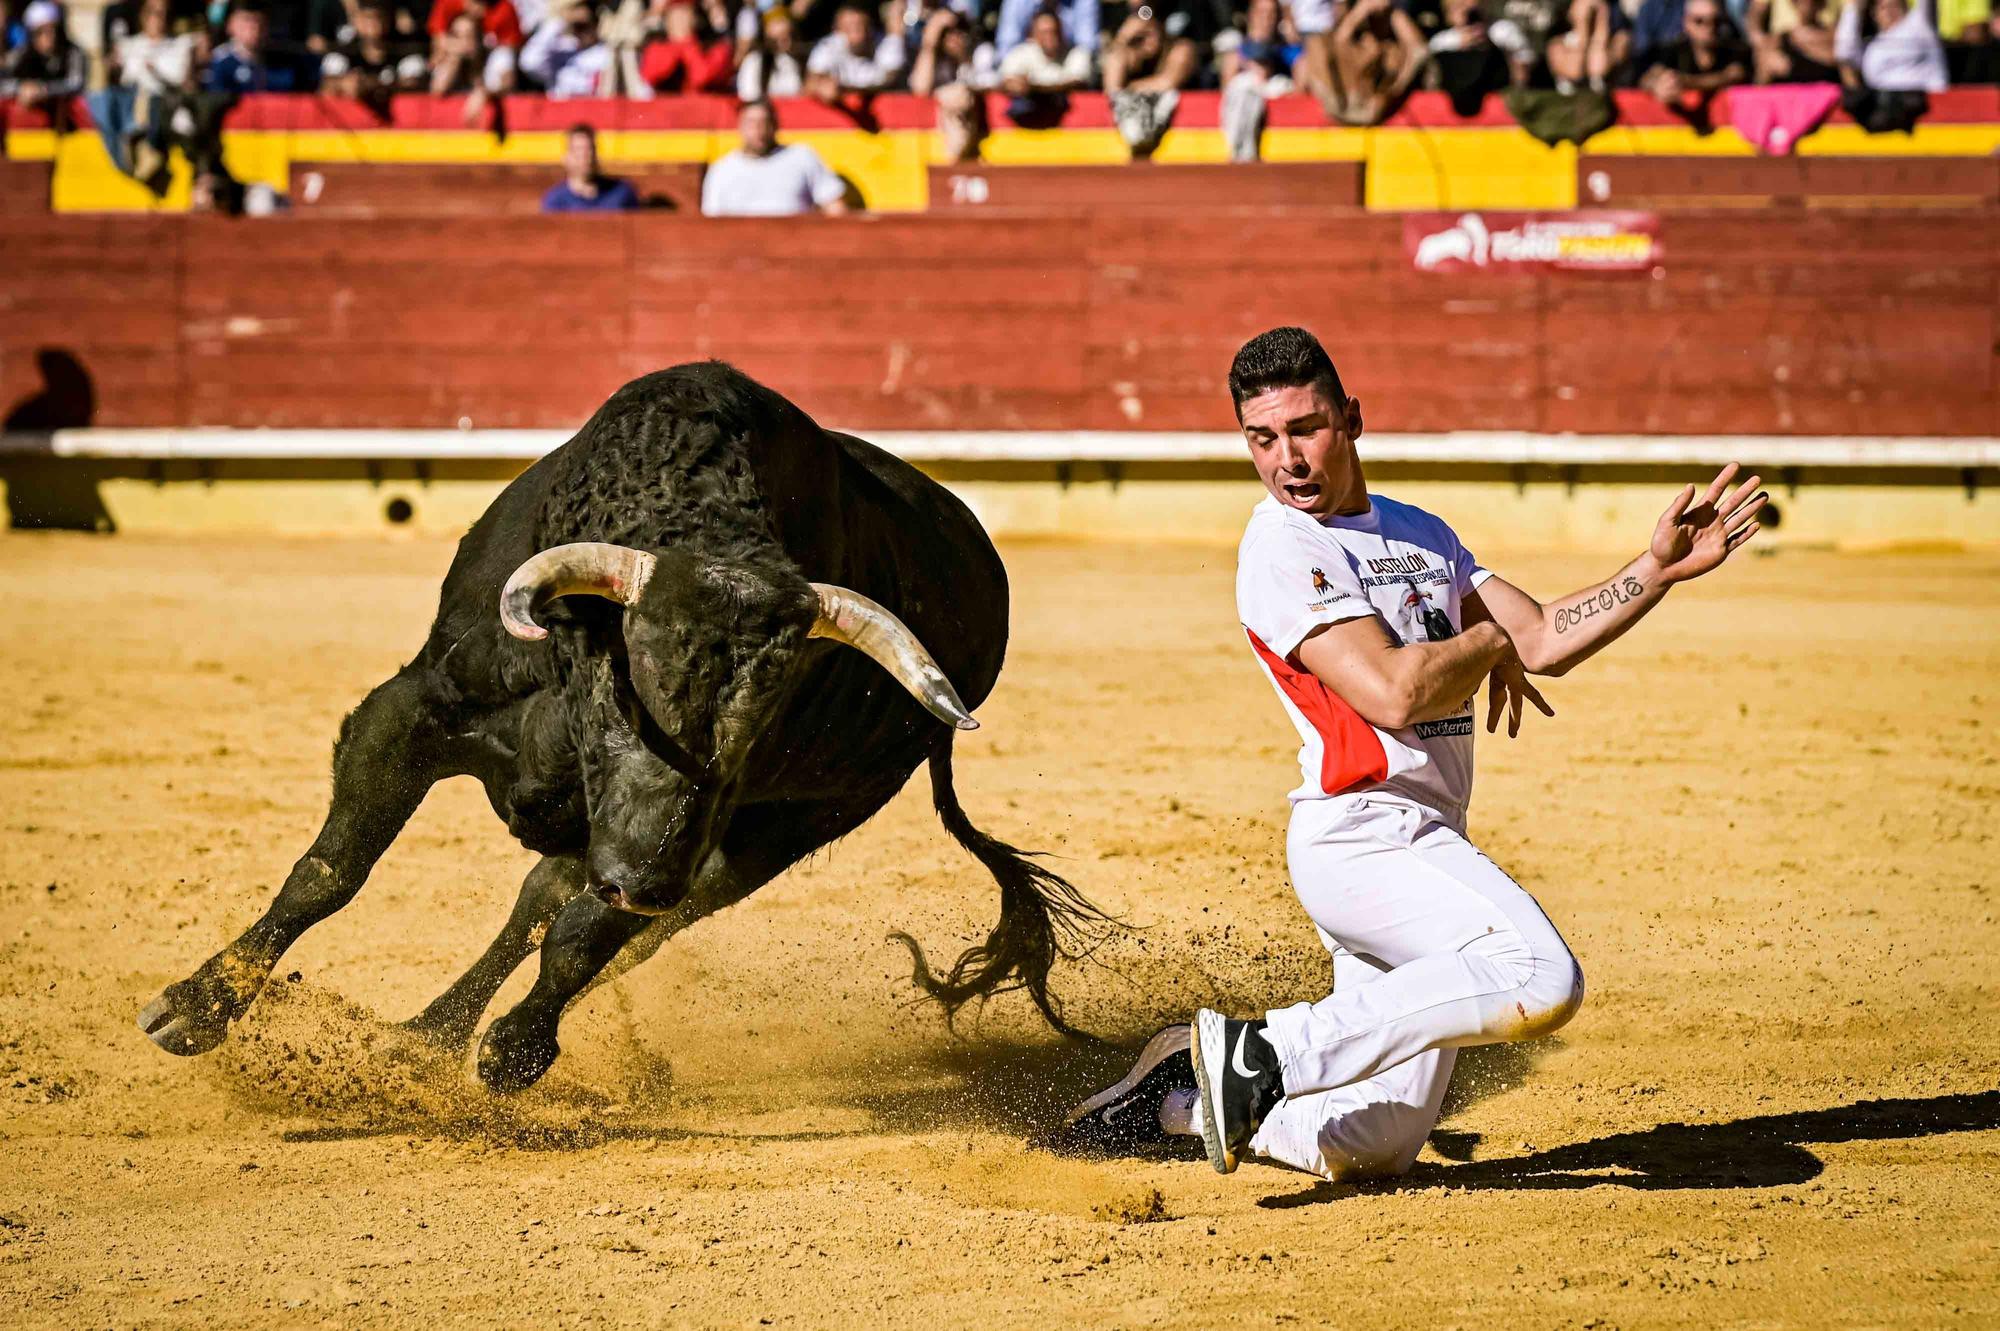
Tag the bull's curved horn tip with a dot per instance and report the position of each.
(966, 723)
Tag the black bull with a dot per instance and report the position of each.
(670, 706)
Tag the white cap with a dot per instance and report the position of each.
(41, 14)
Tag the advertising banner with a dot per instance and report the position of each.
(1590, 242)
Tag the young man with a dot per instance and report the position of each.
(584, 187)
(1376, 627)
(764, 179)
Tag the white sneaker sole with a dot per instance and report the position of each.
(1210, 1049)
(1165, 1043)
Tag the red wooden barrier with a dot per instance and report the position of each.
(469, 189)
(1624, 181)
(1127, 186)
(1880, 323)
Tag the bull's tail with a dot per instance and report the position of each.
(1042, 917)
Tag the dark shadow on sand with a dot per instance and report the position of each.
(1767, 1151)
(50, 493)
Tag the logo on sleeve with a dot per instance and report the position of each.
(1322, 589)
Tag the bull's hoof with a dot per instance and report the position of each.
(514, 1054)
(188, 1018)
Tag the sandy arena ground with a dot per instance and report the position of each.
(1767, 822)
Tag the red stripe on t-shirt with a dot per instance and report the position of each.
(1351, 752)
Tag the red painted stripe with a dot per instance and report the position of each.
(1351, 751)
(1198, 110)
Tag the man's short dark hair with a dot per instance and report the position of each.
(1285, 357)
(588, 131)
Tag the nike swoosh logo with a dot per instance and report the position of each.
(1236, 1063)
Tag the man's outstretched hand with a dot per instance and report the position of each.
(1694, 537)
(1506, 687)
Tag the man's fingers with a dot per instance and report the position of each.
(1680, 504)
(1742, 534)
(1496, 694)
(1719, 484)
(1535, 697)
(1514, 714)
(1747, 511)
(1737, 496)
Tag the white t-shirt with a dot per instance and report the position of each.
(857, 69)
(1295, 572)
(1029, 61)
(154, 64)
(791, 180)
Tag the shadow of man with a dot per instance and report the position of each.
(1767, 1151)
(43, 491)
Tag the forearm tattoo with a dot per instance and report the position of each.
(1614, 594)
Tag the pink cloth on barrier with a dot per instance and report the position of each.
(1775, 118)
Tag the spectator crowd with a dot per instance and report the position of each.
(160, 73)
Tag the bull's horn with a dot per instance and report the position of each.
(587, 568)
(849, 617)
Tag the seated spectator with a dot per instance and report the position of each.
(1975, 56)
(1079, 20)
(955, 73)
(1708, 57)
(1466, 64)
(762, 179)
(1656, 26)
(1046, 65)
(1890, 61)
(1802, 53)
(1377, 54)
(47, 69)
(1155, 50)
(584, 188)
(246, 63)
(1587, 46)
(498, 21)
(774, 64)
(565, 55)
(476, 54)
(854, 58)
(372, 67)
(1255, 65)
(1155, 53)
(147, 69)
(682, 59)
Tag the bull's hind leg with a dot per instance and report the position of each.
(383, 764)
(591, 943)
(450, 1019)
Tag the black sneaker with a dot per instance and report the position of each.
(1126, 1117)
(1237, 1071)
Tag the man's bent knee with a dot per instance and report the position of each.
(1550, 997)
(1547, 983)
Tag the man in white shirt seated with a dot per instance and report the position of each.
(854, 58)
(565, 56)
(763, 179)
(1046, 62)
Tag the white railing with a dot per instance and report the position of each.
(1497, 447)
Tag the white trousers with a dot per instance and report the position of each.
(1434, 948)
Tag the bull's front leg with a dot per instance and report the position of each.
(383, 764)
(519, 1046)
